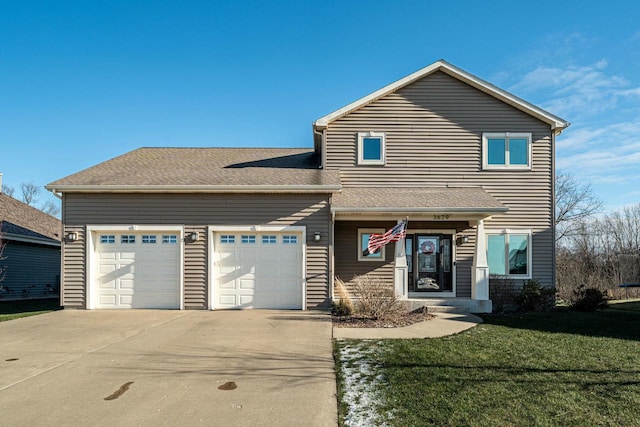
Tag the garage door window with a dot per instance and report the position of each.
(128, 239)
(107, 239)
(250, 239)
(228, 238)
(170, 238)
(269, 240)
(289, 240)
(148, 238)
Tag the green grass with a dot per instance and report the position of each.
(560, 368)
(10, 310)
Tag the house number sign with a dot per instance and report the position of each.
(441, 217)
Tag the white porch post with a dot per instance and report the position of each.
(480, 269)
(400, 271)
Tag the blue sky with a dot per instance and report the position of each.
(84, 81)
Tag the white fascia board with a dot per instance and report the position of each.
(28, 239)
(194, 188)
(556, 123)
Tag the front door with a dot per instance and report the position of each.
(430, 262)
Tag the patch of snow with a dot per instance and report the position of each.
(361, 385)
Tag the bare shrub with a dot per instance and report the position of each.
(343, 306)
(377, 299)
(535, 297)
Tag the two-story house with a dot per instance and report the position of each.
(469, 165)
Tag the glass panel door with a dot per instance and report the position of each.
(432, 261)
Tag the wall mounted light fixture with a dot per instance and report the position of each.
(462, 240)
(72, 236)
(316, 236)
(194, 236)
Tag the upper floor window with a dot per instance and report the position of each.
(506, 150)
(371, 148)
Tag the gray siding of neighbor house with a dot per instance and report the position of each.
(196, 212)
(31, 270)
(434, 133)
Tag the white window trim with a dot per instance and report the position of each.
(362, 231)
(506, 136)
(383, 148)
(507, 232)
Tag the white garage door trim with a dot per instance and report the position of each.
(213, 229)
(92, 274)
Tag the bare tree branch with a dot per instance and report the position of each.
(8, 190)
(50, 208)
(575, 203)
(30, 193)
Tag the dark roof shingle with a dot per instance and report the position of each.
(416, 199)
(184, 167)
(19, 218)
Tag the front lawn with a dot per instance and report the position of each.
(10, 310)
(560, 368)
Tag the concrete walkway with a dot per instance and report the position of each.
(443, 324)
(168, 368)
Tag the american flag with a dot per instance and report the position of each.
(377, 241)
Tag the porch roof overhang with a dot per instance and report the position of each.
(420, 203)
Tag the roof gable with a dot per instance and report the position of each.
(556, 123)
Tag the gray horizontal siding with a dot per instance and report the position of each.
(195, 212)
(347, 266)
(195, 269)
(30, 270)
(434, 133)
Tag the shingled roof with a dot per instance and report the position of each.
(416, 200)
(205, 169)
(20, 219)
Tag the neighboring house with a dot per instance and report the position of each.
(30, 261)
(470, 165)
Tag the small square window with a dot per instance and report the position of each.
(227, 238)
(363, 242)
(506, 150)
(289, 240)
(107, 238)
(371, 148)
(269, 240)
(249, 239)
(169, 238)
(149, 238)
(128, 238)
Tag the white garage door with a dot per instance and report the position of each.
(258, 270)
(137, 270)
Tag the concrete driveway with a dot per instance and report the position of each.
(156, 367)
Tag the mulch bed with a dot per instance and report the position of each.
(365, 322)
